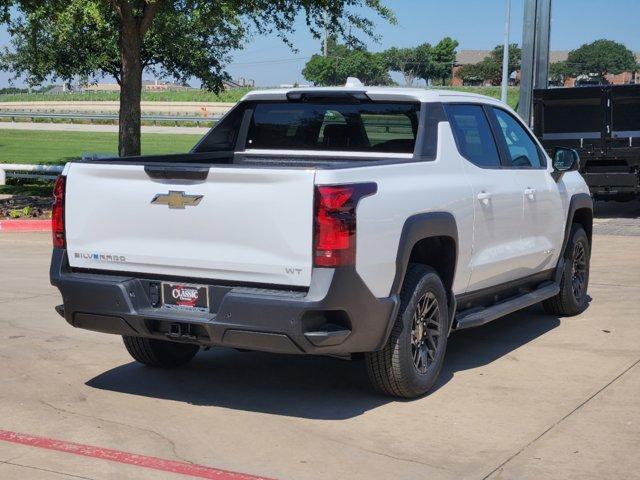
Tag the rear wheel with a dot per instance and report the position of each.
(572, 298)
(410, 362)
(160, 353)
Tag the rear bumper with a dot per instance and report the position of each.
(337, 315)
(613, 184)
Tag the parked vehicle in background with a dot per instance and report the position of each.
(603, 124)
(329, 222)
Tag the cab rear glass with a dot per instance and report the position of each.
(345, 127)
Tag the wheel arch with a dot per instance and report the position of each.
(432, 239)
(580, 212)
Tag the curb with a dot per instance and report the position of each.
(25, 226)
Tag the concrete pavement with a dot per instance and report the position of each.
(529, 396)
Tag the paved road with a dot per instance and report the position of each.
(617, 218)
(530, 396)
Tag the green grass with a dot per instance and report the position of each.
(513, 93)
(231, 96)
(48, 147)
(27, 189)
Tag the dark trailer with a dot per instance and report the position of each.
(603, 124)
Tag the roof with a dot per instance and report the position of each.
(378, 94)
(471, 57)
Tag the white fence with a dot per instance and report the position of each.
(110, 117)
(17, 170)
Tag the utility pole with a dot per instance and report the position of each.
(326, 35)
(535, 53)
(505, 53)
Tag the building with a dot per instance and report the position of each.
(238, 83)
(147, 86)
(472, 57)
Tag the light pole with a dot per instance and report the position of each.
(535, 53)
(505, 53)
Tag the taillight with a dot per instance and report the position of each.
(335, 223)
(57, 213)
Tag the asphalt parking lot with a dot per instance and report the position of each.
(529, 396)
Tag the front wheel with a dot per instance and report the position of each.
(410, 362)
(572, 298)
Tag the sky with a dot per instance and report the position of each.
(476, 24)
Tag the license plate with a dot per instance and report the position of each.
(185, 297)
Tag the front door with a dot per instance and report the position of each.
(497, 246)
(543, 219)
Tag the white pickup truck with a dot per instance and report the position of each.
(326, 221)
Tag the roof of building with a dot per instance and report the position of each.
(471, 57)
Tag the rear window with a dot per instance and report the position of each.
(361, 127)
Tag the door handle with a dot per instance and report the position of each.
(530, 192)
(484, 197)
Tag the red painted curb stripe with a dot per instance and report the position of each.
(153, 463)
(25, 225)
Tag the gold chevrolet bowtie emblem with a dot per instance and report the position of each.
(176, 200)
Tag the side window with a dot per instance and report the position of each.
(223, 136)
(473, 135)
(523, 151)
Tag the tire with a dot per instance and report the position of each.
(393, 370)
(160, 353)
(574, 281)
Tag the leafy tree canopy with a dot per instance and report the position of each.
(600, 58)
(472, 73)
(342, 62)
(179, 38)
(557, 72)
(424, 61)
(490, 69)
(412, 63)
(444, 57)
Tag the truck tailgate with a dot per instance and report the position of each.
(250, 225)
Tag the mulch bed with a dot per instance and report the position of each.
(20, 206)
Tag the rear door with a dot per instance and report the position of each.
(237, 224)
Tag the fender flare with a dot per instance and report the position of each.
(419, 227)
(578, 201)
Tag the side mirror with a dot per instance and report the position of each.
(565, 160)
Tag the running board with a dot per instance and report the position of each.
(476, 318)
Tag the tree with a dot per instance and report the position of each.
(343, 62)
(412, 63)
(492, 65)
(515, 57)
(558, 72)
(490, 68)
(444, 57)
(87, 39)
(600, 58)
(424, 61)
(472, 73)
